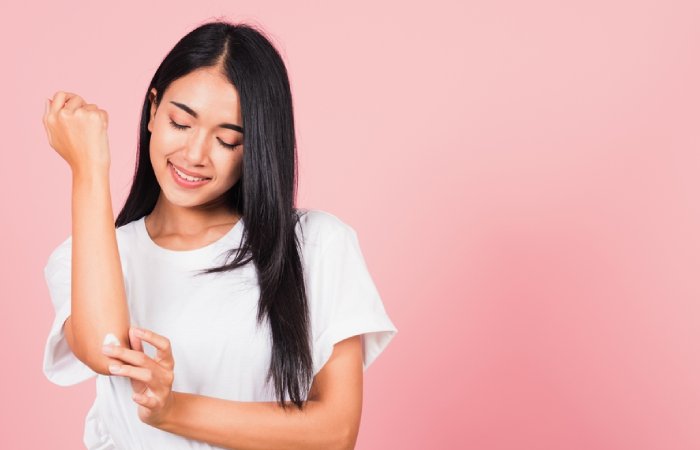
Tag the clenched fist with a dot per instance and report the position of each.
(78, 132)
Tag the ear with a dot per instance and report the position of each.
(152, 109)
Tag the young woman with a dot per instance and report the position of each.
(232, 319)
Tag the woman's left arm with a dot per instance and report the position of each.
(330, 418)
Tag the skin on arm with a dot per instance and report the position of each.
(78, 133)
(99, 310)
(339, 383)
(330, 419)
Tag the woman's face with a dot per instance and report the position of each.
(209, 146)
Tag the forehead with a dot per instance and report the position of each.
(207, 92)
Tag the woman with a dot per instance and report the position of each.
(245, 305)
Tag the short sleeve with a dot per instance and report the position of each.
(61, 366)
(346, 301)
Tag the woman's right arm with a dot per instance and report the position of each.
(98, 298)
(78, 132)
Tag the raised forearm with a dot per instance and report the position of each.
(254, 425)
(98, 298)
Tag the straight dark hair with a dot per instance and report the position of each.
(265, 194)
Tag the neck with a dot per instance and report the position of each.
(182, 220)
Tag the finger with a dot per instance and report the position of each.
(73, 103)
(144, 376)
(145, 400)
(164, 353)
(137, 373)
(136, 343)
(59, 99)
(105, 117)
(159, 342)
(133, 357)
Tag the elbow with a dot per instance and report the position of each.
(99, 363)
(93, 357)
(91, 353)
(329, 436)
(340, 429)
(345, 439)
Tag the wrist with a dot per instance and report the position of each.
(166, 422)
(90, 174)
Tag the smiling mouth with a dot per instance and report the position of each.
(186, 177)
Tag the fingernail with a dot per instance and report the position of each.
(114, 368)
(108, 349)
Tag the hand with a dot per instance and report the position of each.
(151, 380)
(77, 131)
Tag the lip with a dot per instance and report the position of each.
(182, 182)
(187, 172)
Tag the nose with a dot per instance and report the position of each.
(197, 149)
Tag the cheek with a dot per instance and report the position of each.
(230, 170)
(164, 140)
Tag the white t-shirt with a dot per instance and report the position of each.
(210, 321)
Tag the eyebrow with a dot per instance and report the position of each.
(194, 114)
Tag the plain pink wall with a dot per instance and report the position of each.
(523, 177)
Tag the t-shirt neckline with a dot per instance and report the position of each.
(151, 244)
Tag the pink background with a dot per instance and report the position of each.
(523, 177)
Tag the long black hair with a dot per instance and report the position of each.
(265, 194)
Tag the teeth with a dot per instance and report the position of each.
(187, 177)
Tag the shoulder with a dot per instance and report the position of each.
(127, 235)
(319, 226)
(59, 258)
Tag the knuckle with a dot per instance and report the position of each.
(148, 377)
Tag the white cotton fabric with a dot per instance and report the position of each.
(211, 322)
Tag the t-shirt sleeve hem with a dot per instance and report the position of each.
(376, 336)
(60, 365)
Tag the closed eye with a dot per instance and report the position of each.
(177, 126)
